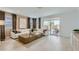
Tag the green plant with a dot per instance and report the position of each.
(76, 30)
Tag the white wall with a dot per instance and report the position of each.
(69, 21)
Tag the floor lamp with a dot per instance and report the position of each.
(2, 31)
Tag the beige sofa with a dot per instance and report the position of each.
(25, 31)
(16, 35)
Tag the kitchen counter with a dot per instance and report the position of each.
(75, 41)
(76, 34)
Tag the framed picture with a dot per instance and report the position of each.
(22, 23)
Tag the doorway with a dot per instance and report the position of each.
(52, 26)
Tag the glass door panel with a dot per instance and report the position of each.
(52, 26)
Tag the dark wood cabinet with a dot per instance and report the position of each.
(2, 32)
(2, 26)
(2, 15)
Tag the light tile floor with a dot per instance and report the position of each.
(47, 43)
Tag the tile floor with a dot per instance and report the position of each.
(47, 43)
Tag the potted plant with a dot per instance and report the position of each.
(76, 30)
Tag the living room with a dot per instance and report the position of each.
(26, 27)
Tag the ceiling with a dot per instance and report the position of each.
(37, 11)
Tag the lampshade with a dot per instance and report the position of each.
(1, 22)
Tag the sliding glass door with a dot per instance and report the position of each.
(52, 26)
